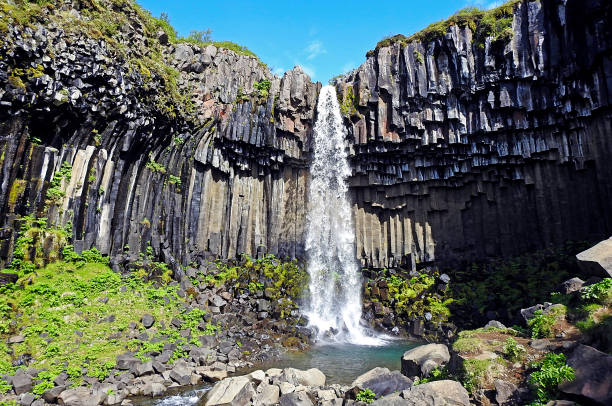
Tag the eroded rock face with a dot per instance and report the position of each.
(462, 151)
(227, 178)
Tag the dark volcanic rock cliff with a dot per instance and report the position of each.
(462, 146)
(221, 174)
(464, 149)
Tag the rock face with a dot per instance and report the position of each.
(229, 177)
(464, 150)
(460, 149)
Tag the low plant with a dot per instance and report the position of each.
(4, 386)
(541, 324)
(467, 345)
(436, 374)
(512, 350)
(549, 374)
(366, 395)
(600, 292)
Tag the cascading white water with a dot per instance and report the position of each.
(335, 278)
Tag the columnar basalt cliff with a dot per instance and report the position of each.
(465, 147)
(93, 138)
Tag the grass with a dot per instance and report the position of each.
(495, 23)
(64, 298)
(468, 345)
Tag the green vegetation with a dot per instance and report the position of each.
(283, 281)
(518, 282)
(55, 192)
(436, 374)
(467, 345)
(348, 103)
(263, 87)
(477, 372)
(366, 395)
(175, 180)
(541, 324)
(495, 23)
(155, 167)
(600, 292)
(512, 350)
(418, 57)
(550, 372)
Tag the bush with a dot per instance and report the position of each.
(551, 372)
(600, 292)
(366, 395)
(541, 324)
(512, 350)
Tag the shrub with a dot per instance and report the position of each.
(263, 87)
(541, 324)
(366, 395)
(600, 292)
(512, 350)
(551, 371)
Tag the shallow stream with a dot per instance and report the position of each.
(341, 363)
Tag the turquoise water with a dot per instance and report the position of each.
(341, 363)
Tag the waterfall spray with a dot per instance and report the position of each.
(335, 278)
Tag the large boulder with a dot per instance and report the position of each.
(22, 382)
(597, 260)
(266, 394)
(420, 361)
(78, 397)
(593, 380)
(310, 377)
(382, 381)
(437, 393)
(237, 391)
(296, 399)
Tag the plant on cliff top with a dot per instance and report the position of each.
(600, 292)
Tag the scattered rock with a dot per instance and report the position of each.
(437, 393)
(296, 399)
(147, 320)
(382, 381)
(506, 393)
(495, 324)
(420, 361)
(236, 391)
(22, 382)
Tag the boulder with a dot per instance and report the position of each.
(52, 394)
(296, 399)
(235, 391)
(22, 382)
(26, 399)
(571, 285)
(310, 377)
(181, 374)
(437, 393)
(153, 389)
(495, 324)
(382, 381)
(75, 397)
(597, 260)
(213, 376)
(420, 361)
(143, 368)
(593, 375)
(506, 393)
(147, 321)
(127, 361)
(266, 394)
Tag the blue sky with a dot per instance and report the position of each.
(326, 38)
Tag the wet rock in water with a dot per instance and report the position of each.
(382, 381)
(420, 361)
(593, 375)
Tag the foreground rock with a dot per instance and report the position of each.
(593, 370)
(438, 393)
(382, 381)
(597, 260)
(420, 361)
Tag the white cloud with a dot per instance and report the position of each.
(278, 71)
(314, 49)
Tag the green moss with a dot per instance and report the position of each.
(468, 345)
(16, 191)
(495, 23)
(348, 104)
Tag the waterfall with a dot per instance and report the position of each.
(335, 277)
